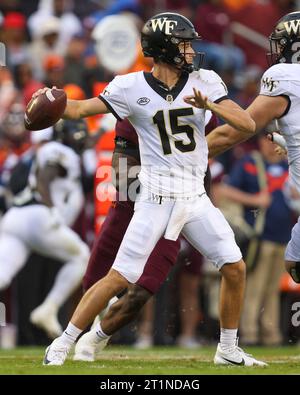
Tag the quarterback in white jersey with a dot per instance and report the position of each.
(279, 99)
(38, 222)
(167, 108)
(171, 132)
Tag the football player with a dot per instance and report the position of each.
(279, 99)
(39, 222)
(167, 109)
(105, 248)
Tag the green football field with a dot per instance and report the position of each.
(160, 360)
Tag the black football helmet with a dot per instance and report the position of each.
(161, 36)
(285, 40)
(73, 133)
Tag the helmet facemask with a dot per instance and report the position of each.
(183, 52)
(278, 49)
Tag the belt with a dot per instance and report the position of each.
(161, 199)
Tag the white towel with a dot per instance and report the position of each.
(178, 219)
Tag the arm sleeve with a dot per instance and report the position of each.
(47, 155)
(218, 90)
(273, 83)
(115, 99)
(72, 207)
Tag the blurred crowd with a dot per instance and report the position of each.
(80, 46)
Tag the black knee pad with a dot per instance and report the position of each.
(295, 272)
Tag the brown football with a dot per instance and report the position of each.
(45, 110)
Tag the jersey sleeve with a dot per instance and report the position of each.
(273, 83)
(216, 88)
(59, 155)
(114, 98)
(48, 155)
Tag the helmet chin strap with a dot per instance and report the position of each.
(190, 67)
(184, 66)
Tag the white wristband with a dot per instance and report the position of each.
(279, 140)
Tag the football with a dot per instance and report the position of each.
(45, 110)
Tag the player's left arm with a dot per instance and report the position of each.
(228, 110)
(263, 110)
(73, 205)
(45, 176)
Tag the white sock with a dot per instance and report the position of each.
(228, 337)
(100, 335)
(70, 334)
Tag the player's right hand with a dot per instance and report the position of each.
(198, 100)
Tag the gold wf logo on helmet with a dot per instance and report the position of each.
(163, 24)
(292, 27)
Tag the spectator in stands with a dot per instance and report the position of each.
(252, 25)
(235, 5)
(249, 83)
(25, 82)
(54, 68)
(213, 24)
(8, 93)
(115, 7)
(61, 9)
(75, 71)
(45, 43)
(10, 5)
(183, 7)
(14, 37)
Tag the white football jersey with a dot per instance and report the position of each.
(63, 187)
(171, 133)
(284, 80)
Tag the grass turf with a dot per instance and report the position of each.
(159, 360)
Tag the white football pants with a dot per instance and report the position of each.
(35, 228)
(200, 222)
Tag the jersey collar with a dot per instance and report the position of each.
(160, 88)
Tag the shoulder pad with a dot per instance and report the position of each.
(208, 76)
(127, 80)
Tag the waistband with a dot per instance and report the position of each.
(161, 199)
